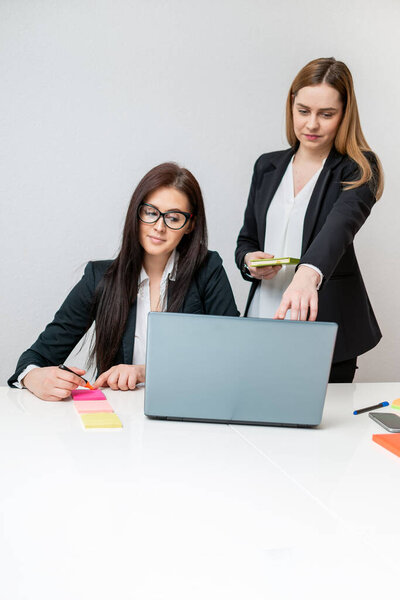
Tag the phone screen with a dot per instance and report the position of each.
(387, 420)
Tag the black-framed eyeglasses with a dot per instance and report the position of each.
(174, 219)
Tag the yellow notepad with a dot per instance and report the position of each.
(100, 420)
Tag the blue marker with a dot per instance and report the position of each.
(363, 410)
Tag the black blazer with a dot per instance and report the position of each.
(209, 293)
(332, 219)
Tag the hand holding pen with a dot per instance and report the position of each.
(54, 383)
(86, 384)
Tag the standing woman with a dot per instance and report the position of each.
(163, 265)
(309, 201)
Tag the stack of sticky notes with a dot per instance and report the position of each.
(396, 404)
(94, 409)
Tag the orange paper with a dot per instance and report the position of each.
(390, 441)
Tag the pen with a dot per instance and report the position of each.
(363, 410)
(87, 384)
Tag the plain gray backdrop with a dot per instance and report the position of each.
(95, 93)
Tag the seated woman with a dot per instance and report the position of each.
(163, 265)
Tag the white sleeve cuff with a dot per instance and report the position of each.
(317, 270)
(18, 383)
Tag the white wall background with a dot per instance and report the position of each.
(95, 93)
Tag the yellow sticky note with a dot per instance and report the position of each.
(100, 420)
(396, 403)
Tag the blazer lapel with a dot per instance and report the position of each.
(317, 197)
(129, 336)
(268, 187)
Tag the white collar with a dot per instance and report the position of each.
(169, 270)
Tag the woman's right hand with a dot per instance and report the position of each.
(261, 272)
(52, 383)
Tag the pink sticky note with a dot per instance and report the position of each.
(93, 406)
(87, 395)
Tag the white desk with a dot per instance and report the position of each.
(181, 510)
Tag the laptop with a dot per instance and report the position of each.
(237, 370)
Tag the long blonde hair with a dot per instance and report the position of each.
(349, 138)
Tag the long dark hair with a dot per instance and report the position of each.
(349, 139)
(118, 289)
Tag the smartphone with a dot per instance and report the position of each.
(271, 262)
(389, 421)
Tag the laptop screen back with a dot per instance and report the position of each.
(243, 370)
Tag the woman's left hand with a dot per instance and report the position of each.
(301, 297)
(122, 377)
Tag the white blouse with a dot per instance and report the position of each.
(143, 305)
(283, 237)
